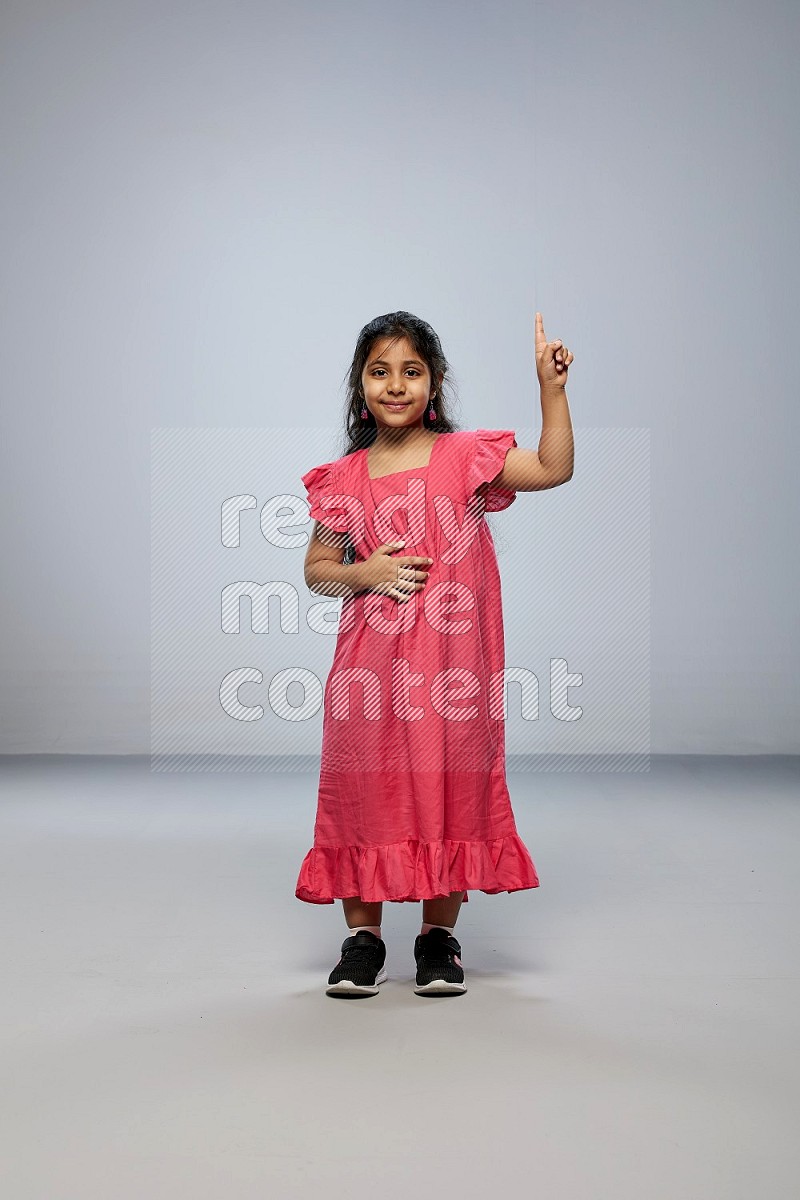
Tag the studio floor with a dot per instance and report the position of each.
(630, 1031)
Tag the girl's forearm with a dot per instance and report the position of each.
(329, 578)
(556, 446)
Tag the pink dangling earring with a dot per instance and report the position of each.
(364, 413)
(431, 411)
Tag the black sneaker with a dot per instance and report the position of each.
(361, 967)
(439, 970)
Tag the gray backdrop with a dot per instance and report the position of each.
(204, 203)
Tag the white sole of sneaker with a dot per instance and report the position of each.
(345, 987)
(440, 987)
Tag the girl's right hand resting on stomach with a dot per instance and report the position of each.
(399, 577)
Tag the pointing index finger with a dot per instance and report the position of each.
(541, 340)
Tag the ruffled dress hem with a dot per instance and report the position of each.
(414, 870)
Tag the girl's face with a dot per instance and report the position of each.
(396, 383)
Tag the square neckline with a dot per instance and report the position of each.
(404, 470)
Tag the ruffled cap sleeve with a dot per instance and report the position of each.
(327, 504)
(489, 450)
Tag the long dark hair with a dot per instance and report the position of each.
(360, 433)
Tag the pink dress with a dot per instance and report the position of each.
(413, 801)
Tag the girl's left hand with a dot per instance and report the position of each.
(552, 359)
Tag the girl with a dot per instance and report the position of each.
(413, 802)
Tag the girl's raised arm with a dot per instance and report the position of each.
(552, 464)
